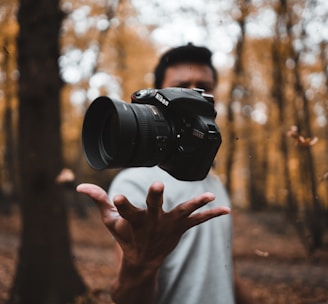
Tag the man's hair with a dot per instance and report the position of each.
(183, 54)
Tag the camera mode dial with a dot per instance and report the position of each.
(143, 94)
(208, 97)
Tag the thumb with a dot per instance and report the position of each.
(97, 194)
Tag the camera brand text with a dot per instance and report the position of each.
(162, 99)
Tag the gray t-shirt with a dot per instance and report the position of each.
(199, 269)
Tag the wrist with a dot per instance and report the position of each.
(143, 269)
(135, 282)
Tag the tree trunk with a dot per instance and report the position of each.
(279, 76)
(236, 84)
(45, 271)
(309, 222)
(9, 182)
(313, 209)
(257, 164)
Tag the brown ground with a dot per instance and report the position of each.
(268, 254)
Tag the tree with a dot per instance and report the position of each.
(8, 180)
(279, 57)
(313, 238)
(303, 203)
(45, 271)
(237, 85)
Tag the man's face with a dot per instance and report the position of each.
(190, 75)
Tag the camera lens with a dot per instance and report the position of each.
(118, 134)
(108, 137)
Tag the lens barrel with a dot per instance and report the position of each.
(117, 134)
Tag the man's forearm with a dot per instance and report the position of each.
(135, 284)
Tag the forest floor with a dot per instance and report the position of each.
(268, 256)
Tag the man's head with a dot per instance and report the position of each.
(186, 66)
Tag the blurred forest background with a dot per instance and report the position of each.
(272, 97)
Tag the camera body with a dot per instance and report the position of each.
(173, 128)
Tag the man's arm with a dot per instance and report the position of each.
(146, 236)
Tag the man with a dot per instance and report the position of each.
(175, 248)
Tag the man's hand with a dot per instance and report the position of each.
(146, 236)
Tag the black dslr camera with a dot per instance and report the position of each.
(173, 128)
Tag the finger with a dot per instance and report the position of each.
(154, 198)
(201, 217)
(107, 210)
(197, 202)
(126, 209)
(96, 193)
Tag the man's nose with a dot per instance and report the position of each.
(192, 85)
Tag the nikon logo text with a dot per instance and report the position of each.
(161, 99)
